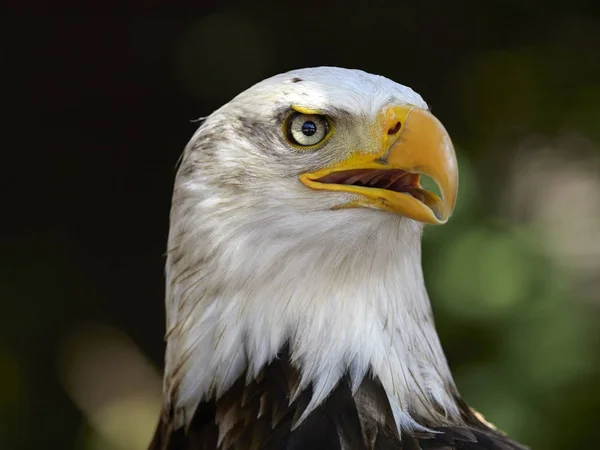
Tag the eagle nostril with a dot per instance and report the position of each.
(395, 128)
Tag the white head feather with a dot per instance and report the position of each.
(257, 259)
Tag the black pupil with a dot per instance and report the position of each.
(309, 128)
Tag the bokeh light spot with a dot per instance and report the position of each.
(113, 385)
(482, 273)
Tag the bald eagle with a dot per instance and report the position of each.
(297, 313)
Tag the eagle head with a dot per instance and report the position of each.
(295, 240)
(321, 140)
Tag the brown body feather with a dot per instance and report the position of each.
(263, 414)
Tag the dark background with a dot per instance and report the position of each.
(97, 106)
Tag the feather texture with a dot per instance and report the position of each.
(261, 415)
(292, 323)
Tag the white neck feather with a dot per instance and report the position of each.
(344, 288)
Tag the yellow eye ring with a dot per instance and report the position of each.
(307, 131)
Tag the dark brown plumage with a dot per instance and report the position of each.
(260, 416)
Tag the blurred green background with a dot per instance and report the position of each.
(98, 106)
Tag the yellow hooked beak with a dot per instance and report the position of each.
(413, 143)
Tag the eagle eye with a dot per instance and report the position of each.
(307, 130)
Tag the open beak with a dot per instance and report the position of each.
(413, 143)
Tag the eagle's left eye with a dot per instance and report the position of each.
(307, 129)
